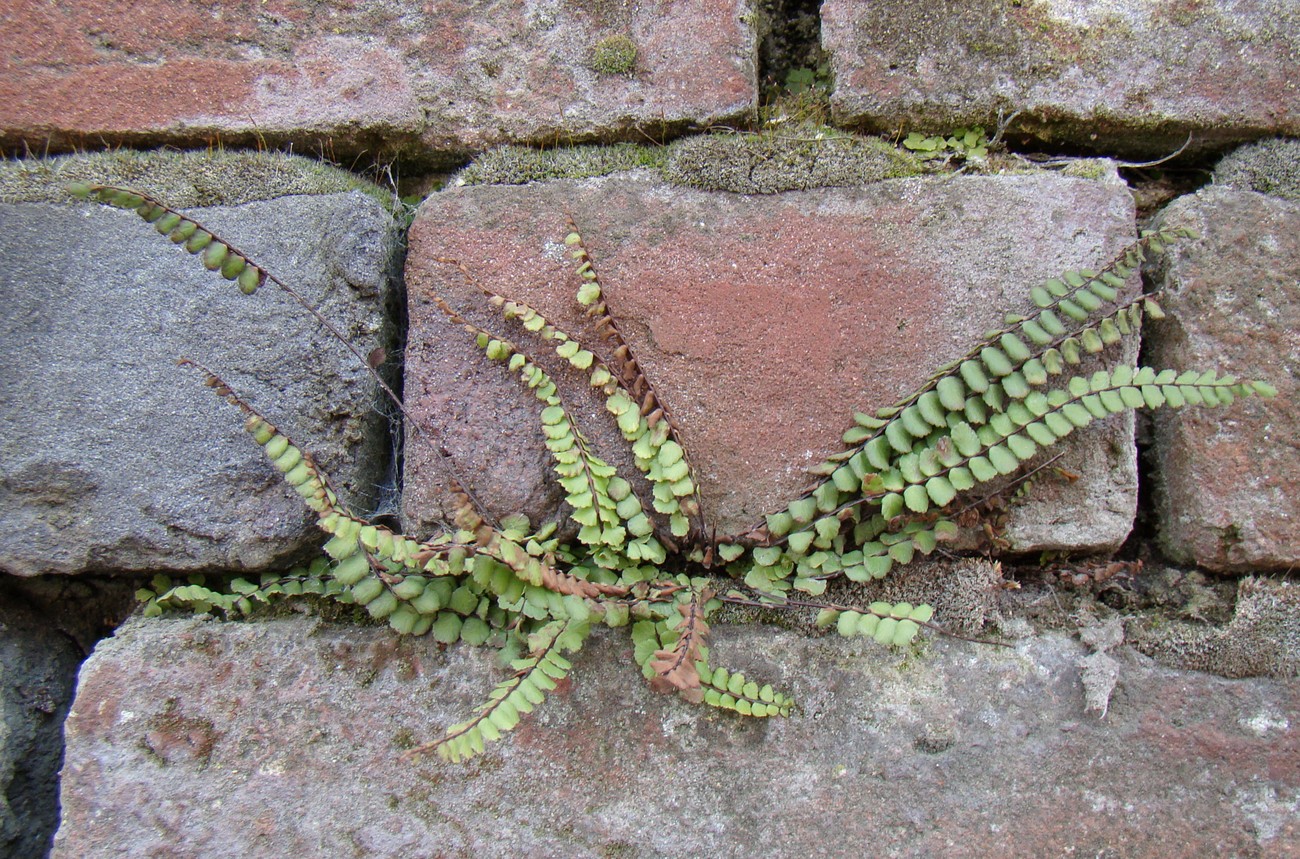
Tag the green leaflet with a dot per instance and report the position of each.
(733, 691)
(894, 625)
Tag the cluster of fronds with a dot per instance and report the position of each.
(886, 497)
(979, 418)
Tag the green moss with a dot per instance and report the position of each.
(1268, 167)
(794, 158)
(1262, 639)
(403, 739)
(183, 179)
(799, 157)
(1089, 168)
(615, 55)
(518, 165)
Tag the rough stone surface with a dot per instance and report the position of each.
(433, 80)
(1269, 167)
(763, 322)
(1226, 478)
(1128, 76)
(112, 458)
(199, 739)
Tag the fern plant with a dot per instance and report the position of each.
(645, 563)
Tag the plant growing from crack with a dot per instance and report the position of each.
(645, 563)
(963, 144)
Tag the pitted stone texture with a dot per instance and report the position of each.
(433, 80)
(112, 458)
(1129, 76)
(762, 321)
(284, 739)
(1226, 478)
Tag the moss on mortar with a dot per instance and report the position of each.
(184, 179)
(796, 158)
(519, 165)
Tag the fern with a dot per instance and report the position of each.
(884, 499)
(733, 691)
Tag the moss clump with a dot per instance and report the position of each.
(184, 179)
(1090, 168)
(1262, 639)
(519, 165)
(1269, 167)
(614, 55)
(796, 158)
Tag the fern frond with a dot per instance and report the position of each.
(731, 690)
(607, 514)
(534, 676)
(894, 624)
(215, 254)
(1004, 368)
(657, 453)
(221, 256)
(674, 669)
(603, 505)
(630, 397)
(629, 373)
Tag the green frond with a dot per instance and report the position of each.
(731, 690)
(894, 624)
(534, 676)
(215, 254)
(915, 438)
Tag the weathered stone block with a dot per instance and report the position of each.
(763, 322)
(432, 80)
(1130, 76)
(112, 458)
(1226, 479)
(285, 738)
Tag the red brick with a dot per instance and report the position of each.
(437, 81)
(1125, 76)
(1226, 479)
(763, 321)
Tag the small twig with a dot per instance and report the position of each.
(1003, 125)
(1063, 162)
(1158, 161)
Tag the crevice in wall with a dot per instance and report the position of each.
(789, 40)
(50, 624)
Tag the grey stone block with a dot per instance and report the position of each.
(112, 458)
(286, 738)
